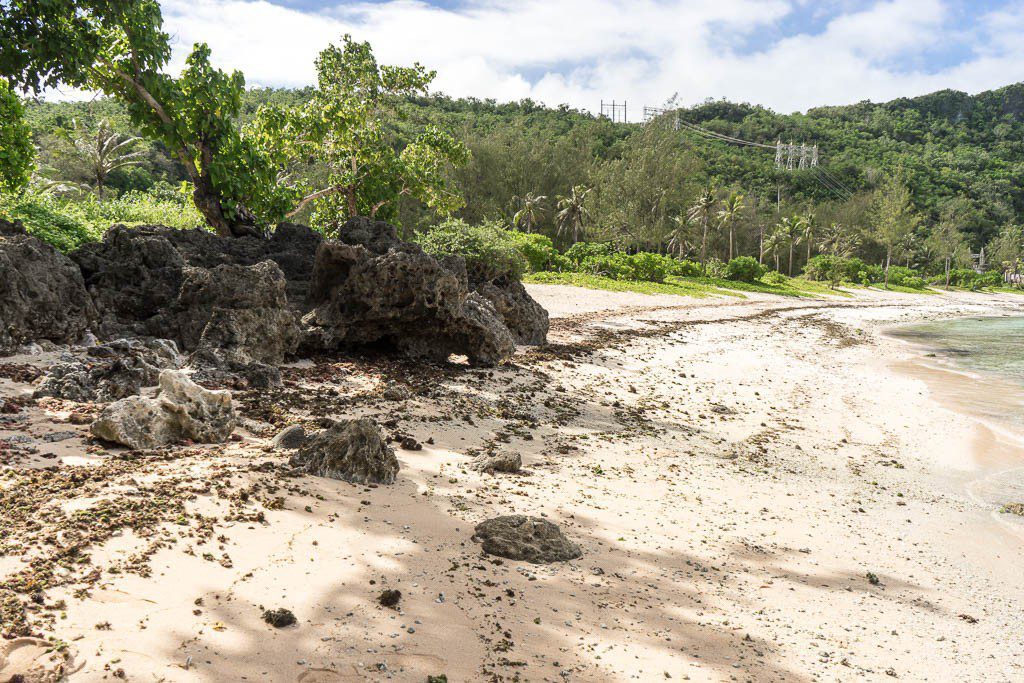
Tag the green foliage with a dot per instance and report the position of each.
(744, 269)
(538, 250)
(971, 279)
(349, 127)
(774, 277)
(491, 252)
(16, 151)
(43, 216)
(901, 276)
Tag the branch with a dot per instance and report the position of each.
(326, 192)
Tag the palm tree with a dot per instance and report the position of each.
(700, 213)
(573, 213)
(808, 231)
(772, 243)
(531, 211)
(837, 241)
(791, 230)
(729, 214)
(106, 151)
(680, 238)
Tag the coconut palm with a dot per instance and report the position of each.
(807, 232)
(773, 243)
(838, 241)
(791, 230)
(680, 238)
(531, 211)
(729, 215)
(573, 213)
(700, 213)
(106, 151)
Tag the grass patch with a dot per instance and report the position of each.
(687, 286)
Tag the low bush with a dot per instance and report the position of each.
(774, 278)
(490, 251)
(744, 269)
(43, 216)
(684, 268)
(581, 251)
(538, 250)
(901, 276)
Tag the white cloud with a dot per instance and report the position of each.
(581, 51)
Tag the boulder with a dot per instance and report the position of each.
(508, 461)
(111, 371)
(42, 293)
(529, 539)
(289, 438)
(525, 318)
(182, 410)
(352, 450)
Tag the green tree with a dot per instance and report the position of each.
(948, 242)
(730, 213)
(681, 237)
(700, 213)
(894, 217)
(531, 211)
(16, 152)
(105, 151)
(349, 127)
(790, 231)
(573, 213)
(119, 48)
(808, 226)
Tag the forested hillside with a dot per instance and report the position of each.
(960, 156)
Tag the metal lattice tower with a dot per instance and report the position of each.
(614, 111)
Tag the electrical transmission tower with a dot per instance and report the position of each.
(790, 156)
(614, 111)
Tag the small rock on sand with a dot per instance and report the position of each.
(351, 450)
(279, 618)
(532, 539)
(290, 437)
(508, 461)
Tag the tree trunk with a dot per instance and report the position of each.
(791, 259)
(704, 249)
(947, 273)
(760, 247)
(888, 260)
(730, 243)
(208, 203)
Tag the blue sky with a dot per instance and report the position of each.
(786, 54)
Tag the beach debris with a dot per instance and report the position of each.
(33, 660)
(531, 539)
(394, 391)
(1013, 509)
(873, 579)
(279, 618)
(290, 437)
(389, 597)
(182, 410)
(351, 450)
(506, 461)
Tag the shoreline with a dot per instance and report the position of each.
(759, 494)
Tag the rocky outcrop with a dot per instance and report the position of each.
(42, 294)
(369, 287)
(182, 410)
(525, 318)
(352, 450)
(529, 539)
(110, 371)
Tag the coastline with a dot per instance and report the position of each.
(736, 472)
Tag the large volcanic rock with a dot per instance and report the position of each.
(135, 274)
(525, 318)
(42, 295)
(371, 287)
(110, 371)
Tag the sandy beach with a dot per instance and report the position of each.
(764, 489)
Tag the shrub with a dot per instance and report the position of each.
(715, 268)
(913, 282)
(744, 269)
(898, 276)
(489, 250)
(579, 252)
(538, 250)
(641, 267)
(43, 218)
(774, 277)
(684, 268)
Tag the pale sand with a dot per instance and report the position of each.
(732, 469)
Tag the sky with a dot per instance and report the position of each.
(788, 55)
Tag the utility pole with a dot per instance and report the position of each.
(614, 111)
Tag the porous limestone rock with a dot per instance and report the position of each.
(351, 450)
(529, 539)
(42, 294)
(182, 410)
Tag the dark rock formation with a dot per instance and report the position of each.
(530, 539)
(353, 450)
(289, 438)
(42, 294)
(112, 371)
(525, 318)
